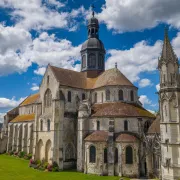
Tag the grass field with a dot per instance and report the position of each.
(12, 168)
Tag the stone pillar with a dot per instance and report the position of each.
(29, 138)
(14, 137)
(111, 148)
(120, 160)
(58, 117)
(10, 137)
(23, 137)
(82, 126)
(35, 135)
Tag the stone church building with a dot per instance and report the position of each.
(92, 120)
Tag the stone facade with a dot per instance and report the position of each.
(90, 120)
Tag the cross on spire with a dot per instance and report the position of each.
(93, 7)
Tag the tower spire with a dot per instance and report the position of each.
(167, 51)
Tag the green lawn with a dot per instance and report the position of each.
(12, 168)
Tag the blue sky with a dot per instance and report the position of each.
(35, 33)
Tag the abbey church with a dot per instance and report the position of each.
(93, 120)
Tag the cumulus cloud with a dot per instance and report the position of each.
(145, 83)
(2, 117)
(6, 103)
(140, 58)
(18, 50)
(128, 15)
(40, 71)
(39, 14)
(13, 44)
(158, 87)
(34, 87)
(144, 100)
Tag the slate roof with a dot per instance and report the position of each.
(155, 126)
(24, 118)
(119, 109)
(30, 99)
(76, 79)
(97, 136)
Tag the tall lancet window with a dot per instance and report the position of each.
(47, 98)
(107, 95)
(121, 98)
(84, 61)
(92, 61)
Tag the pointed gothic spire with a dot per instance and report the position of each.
(167, 51)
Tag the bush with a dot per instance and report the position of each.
(29, 156)
(45, 165)
(21, 154)
(49, 167)
(55, 169)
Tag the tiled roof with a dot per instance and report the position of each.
(24, 118)
(155, 126)
(119, 109)
(30, 99)
(112, 77)
(97, 136)
(76, 79)
(68, 77)
(126, 138)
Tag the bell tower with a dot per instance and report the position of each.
(92, 51)
(169, 99)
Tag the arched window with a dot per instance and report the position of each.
(92, 154)
(132, 95)
(146, 126)
(48, 125)
(105, 155)
(116, 155)
(95, 97)
(107, 95)
(92, 61)
(69, 96)
(41, 125)
(125, 125)
(47, 98)
(83, 96)
(84, 61)
(121, 98)
(129, 155)
(61, 95)
(47, 79)
(98, 125)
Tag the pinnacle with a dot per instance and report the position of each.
(167, 51)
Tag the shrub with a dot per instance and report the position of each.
(49, 167)
(45, 165)
(21, 154)
(55, 169)
(29, 156)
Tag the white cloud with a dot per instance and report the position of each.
(144, 100)
(40, 71)
(2, 117)
(39, 14)
(140, 58)
(145, 83)
(128, 15)
(158, 87)
(151, 111)
(9, 103)
(18, 51)
(13, 44)
(34, 87)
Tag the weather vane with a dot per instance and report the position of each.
(93, 7)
